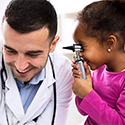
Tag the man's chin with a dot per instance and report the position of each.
(24, 79)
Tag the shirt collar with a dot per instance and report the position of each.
(39, 77)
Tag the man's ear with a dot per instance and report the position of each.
(112, 42)
(53, 44)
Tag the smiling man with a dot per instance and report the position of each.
(37, 86)
(26, 53)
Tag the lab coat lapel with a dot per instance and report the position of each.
(42, 97)
(12, 96)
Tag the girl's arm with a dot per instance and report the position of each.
(90, 103)
(101, 112)
(81, 87)
(78, 101)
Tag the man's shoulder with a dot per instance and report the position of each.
(62, 64)
(59, 57)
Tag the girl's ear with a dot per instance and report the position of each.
(53, 44)
(112, 42)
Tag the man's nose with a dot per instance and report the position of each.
(21, 62)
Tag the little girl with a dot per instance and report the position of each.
(101, 32)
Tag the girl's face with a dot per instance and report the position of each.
(93, 53)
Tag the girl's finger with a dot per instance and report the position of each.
(88, 72)
(75, 66)
(76, 76)
(75, 71)
(73, 61)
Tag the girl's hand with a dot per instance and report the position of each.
(81, 87)
(76, 72)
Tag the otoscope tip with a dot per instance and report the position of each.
(69, 48)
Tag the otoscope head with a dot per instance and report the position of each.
(69, 48)
(74, 48)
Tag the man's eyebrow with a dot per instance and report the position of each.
(36, 51)
(32, 51)
(8, 47)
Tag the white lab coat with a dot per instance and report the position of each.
(43, 102)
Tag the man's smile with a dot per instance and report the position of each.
(23, 72)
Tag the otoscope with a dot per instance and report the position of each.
(77, 48)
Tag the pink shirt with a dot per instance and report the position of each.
(105, 105)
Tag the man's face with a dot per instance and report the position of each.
(26, 54)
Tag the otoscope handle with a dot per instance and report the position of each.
(82, 69)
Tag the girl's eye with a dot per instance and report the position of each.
(82, 50)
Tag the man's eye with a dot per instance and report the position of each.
(10, 51)
(32, 55)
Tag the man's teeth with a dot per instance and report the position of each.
(22, 71)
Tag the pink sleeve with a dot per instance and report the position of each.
(102, 113)
(78, 100)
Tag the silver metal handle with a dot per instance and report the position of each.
(82, 69)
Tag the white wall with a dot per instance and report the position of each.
(3, 4)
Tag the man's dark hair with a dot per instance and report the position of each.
(26, 16)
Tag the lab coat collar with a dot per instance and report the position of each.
(39, 102)
(43, 96)
(12, 95)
